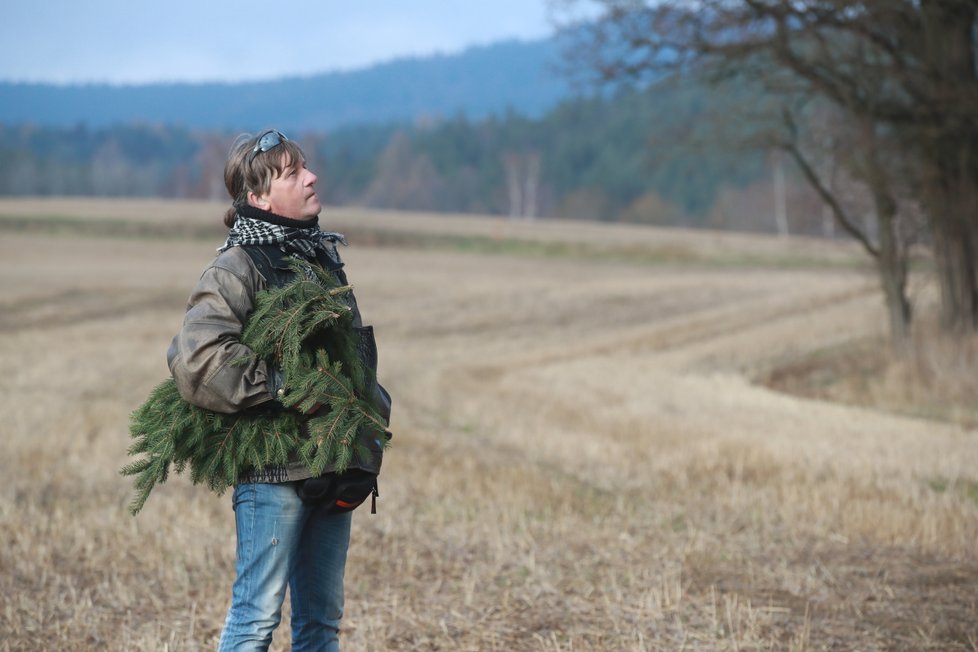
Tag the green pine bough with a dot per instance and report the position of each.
(304, 328)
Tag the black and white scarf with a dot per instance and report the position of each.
(254, 226)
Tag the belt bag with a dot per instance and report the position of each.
(339, 492)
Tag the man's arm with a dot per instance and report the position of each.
(203, 356)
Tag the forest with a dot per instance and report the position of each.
(651, 154)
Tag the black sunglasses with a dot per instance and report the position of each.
(268, 140)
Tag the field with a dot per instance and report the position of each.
(581, 457)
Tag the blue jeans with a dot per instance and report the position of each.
(283, 542)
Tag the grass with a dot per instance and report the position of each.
(580, 461)
(934, 379)
(63, 219)
(119, 227)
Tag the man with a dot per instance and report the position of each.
(281, 540)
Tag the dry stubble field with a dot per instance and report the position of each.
(580, 460)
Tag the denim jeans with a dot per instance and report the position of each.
(283, 542)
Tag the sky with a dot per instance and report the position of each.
(128, 41)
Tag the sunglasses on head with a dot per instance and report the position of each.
(268, 140)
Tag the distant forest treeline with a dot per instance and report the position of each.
(630, 157)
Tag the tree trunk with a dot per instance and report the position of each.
(891, 260)
(892, 266)
(955, 240)
(780, 201)
(952, 157)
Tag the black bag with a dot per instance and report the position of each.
(340, 492)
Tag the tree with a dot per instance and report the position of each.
(522, 182)
(905, 69)
(404, 178)
(890, 245)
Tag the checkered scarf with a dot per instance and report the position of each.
(290, 239)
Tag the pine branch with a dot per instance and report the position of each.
(288, 328)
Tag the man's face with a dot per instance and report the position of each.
(293, 194)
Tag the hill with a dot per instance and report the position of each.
(508, 75)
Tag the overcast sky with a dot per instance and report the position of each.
(127, 41)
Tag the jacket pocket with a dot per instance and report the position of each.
(367, 347)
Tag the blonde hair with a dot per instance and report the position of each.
(249, 171)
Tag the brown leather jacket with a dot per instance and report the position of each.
(203, 356)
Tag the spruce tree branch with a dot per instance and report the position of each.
(217, 446)
(350, 396)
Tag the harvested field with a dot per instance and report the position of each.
(580, 462)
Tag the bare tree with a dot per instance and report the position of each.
(522, 182)
(405, 179)
(888, 246)
(780, 201)
(210, 160)
(905, 69)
